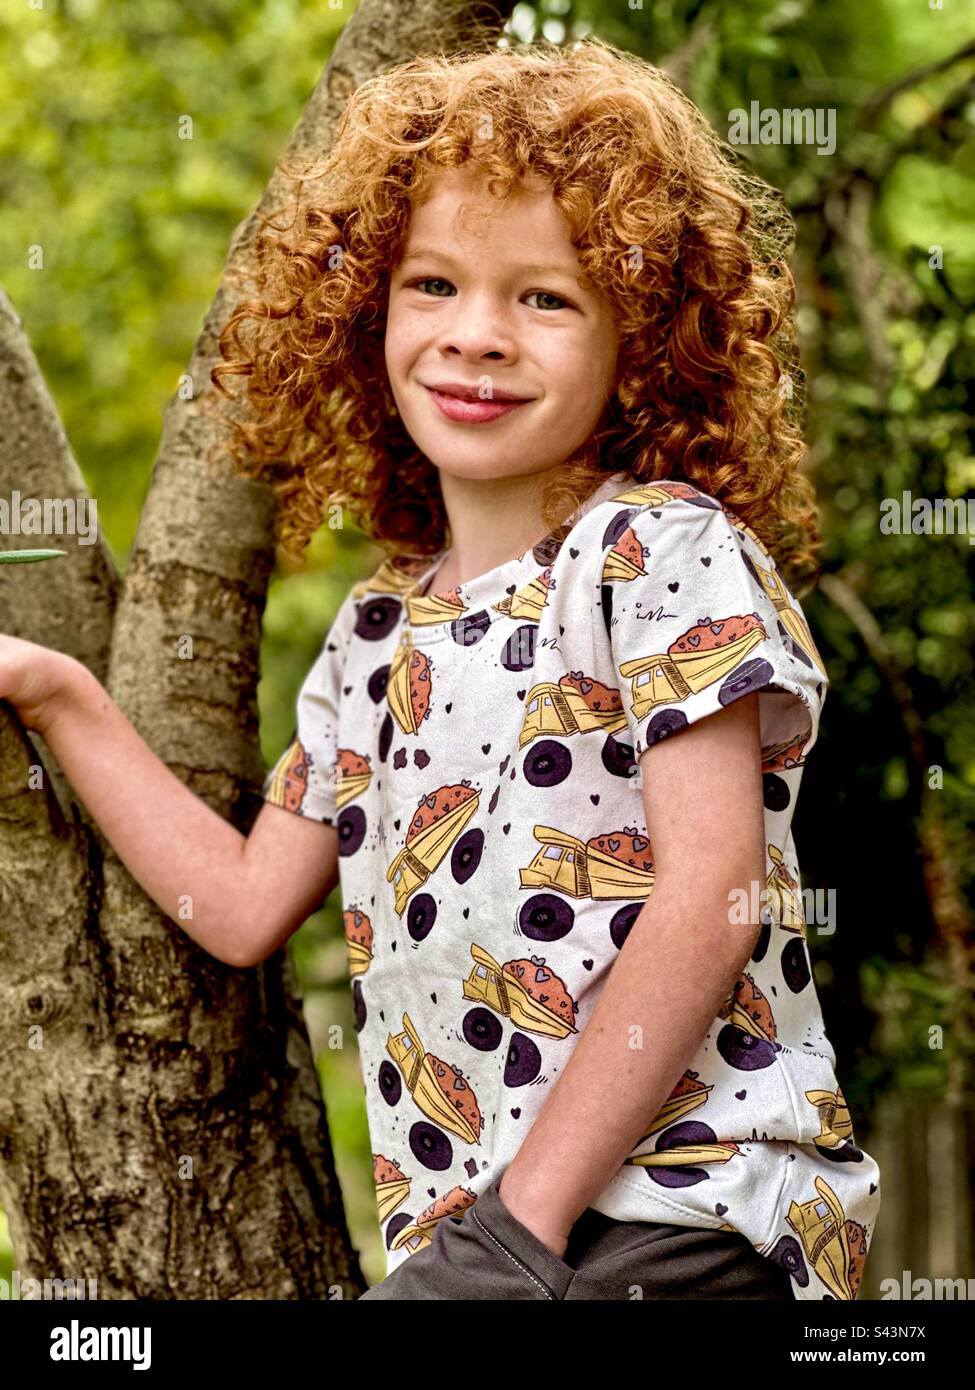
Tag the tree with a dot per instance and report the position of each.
(161, 1124)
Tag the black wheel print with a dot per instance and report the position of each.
(606, 602)
(482, 1029)
(524, 1061)
(470, 629)
(518, 653)
(622, 921)
(385, 737)
(421, 916)
(843, 1153)
(390, 1082)
(376, 617)
(775, 792)
(396, 1224)
(618, 759)
(617, 526)
(662, 725)
(547, 763)
(679, 1136)
(744, 1051)
(377, 683)
(544, 917)
(708, 503)
(793, 647)
(747, 561)
(430, 1146)
(787, 1254)
(466, 855)
(358, 1006)
(764, 937)
(352, 829)
(753, 675)
(795, 964)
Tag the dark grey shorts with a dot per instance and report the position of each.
(488, 1254)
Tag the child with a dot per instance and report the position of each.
(593, 1053)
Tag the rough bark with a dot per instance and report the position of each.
(161, 1123)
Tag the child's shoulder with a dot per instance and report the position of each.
(637, 510)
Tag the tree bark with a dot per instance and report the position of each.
(161, 1124)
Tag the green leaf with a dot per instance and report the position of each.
(24, 557)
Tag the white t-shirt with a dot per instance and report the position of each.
(477, 750)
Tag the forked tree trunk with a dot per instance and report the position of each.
(161, 1124)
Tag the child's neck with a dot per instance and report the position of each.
(492, 520)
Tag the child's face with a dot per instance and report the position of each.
(488, 296)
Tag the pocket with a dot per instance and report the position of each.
(522, 1260)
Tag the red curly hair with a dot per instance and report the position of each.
(666, 222)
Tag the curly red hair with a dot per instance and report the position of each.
(663, 217)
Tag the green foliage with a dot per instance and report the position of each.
(134, 224)
(27, 557)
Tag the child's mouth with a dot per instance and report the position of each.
(472, 412)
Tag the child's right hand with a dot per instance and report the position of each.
(33, 679)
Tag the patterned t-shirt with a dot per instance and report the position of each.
(477, 751)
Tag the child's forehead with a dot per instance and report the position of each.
(456, 205)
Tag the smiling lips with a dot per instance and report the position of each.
(469, 408)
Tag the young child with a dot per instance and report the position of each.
(526, 310)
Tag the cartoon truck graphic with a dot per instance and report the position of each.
(409, 685)
(835, 1247)
(576, 705)
(505, 991)
(594, 869)
(836, 1126)
(358, 940)
(794, 623)
(439, 821)
(391, 1183)
(437, 1087)
(781, 895)
(686, 1155)
(689, 1094)
(419, 1234)
(673, 675)
(391, 578)
(528, 601)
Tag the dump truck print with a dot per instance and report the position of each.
(614, 865)
(705, 653)
(524, 991)
(578, 704)
(438, 822)
(419, 1234)
(438, 1088)
(836, 1125)
(836, 1248)
(782, 895)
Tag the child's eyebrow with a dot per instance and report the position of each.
(427, 252)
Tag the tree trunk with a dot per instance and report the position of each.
(161, 1124)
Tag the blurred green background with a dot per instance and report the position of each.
(135, 223)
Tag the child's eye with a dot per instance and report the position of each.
(432, 280)
(545, 294)
(560, 303)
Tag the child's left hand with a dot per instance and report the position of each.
(549, 1231)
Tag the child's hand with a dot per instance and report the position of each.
(34, 679)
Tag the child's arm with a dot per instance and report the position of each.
(247, 894)
(679, 963)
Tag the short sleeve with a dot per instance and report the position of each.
(304, 778)
(699, 616)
